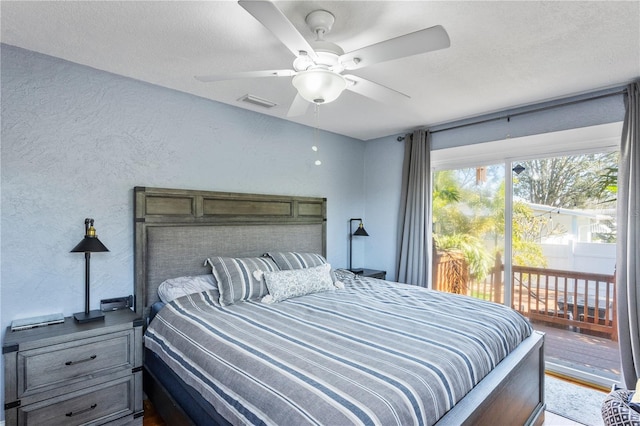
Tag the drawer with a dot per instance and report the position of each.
(58, 365)
(97, 405)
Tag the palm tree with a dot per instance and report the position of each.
(458, 230)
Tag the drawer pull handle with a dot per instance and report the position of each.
(71, 413)
(91, 358)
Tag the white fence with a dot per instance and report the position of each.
(598, 258)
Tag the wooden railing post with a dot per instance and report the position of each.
(614, 304)
(434, 269)
(496, 279)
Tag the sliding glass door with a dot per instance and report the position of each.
(563, 262)
(468, 231)
(556, 266)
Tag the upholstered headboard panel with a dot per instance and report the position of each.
(176, 230)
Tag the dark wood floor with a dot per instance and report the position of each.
(151, 418)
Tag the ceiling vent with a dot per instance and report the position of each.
(257, 101)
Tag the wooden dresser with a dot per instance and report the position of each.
(71, 373)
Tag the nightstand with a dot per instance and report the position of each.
(372, 273)
(73, 373)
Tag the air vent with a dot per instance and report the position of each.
(257, 101)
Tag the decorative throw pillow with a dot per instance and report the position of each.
(616, 410)
(344, 274)
(292, 260)
(235, 277)
(284, 285)
(181, 286)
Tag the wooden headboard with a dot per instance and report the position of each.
(177, 229)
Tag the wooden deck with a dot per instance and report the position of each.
(591, 354)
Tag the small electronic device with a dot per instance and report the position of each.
(40, 321)
(116, 303)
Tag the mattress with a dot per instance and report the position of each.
(375, 352)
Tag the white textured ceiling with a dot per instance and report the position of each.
(503, 54)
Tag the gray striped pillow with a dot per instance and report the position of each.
(236, 281)
(292, 260)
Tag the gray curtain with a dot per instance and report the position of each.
(414, 247)
(628, 253)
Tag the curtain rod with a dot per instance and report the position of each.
(529, 111)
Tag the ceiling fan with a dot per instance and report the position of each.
(318, 68)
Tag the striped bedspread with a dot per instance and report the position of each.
(375, 353)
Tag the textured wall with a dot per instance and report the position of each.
(75, 141)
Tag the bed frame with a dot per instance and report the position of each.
(175, 230)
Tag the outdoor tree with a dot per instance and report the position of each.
(461, 226)
(468, 217)
(608, 184)
(569, 181)
(526, 247)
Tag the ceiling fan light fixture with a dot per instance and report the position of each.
(319, 86)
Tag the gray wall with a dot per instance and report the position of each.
(75, 141)
(383, 180)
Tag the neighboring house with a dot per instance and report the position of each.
(564, 224)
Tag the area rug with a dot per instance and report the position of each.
(572, 401)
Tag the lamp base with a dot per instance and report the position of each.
(87, 317)
(357, 271)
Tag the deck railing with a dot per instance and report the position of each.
(582, 301)
(450, 272)
(570, 298)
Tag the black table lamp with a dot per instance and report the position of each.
(359, 232)
(89, 244)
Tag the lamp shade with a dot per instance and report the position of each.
(89, 244)
(361, 231)
(319, 85)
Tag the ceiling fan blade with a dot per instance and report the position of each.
(298, 107)
(276, 22)
(422, 41)
(246, 74)
(373, 90)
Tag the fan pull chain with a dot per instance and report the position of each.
(316, 132)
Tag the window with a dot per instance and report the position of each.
(556, 265)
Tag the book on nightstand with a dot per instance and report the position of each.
(25, 323)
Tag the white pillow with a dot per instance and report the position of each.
(297, 282)
(181, 286)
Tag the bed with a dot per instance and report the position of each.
(360, 350)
